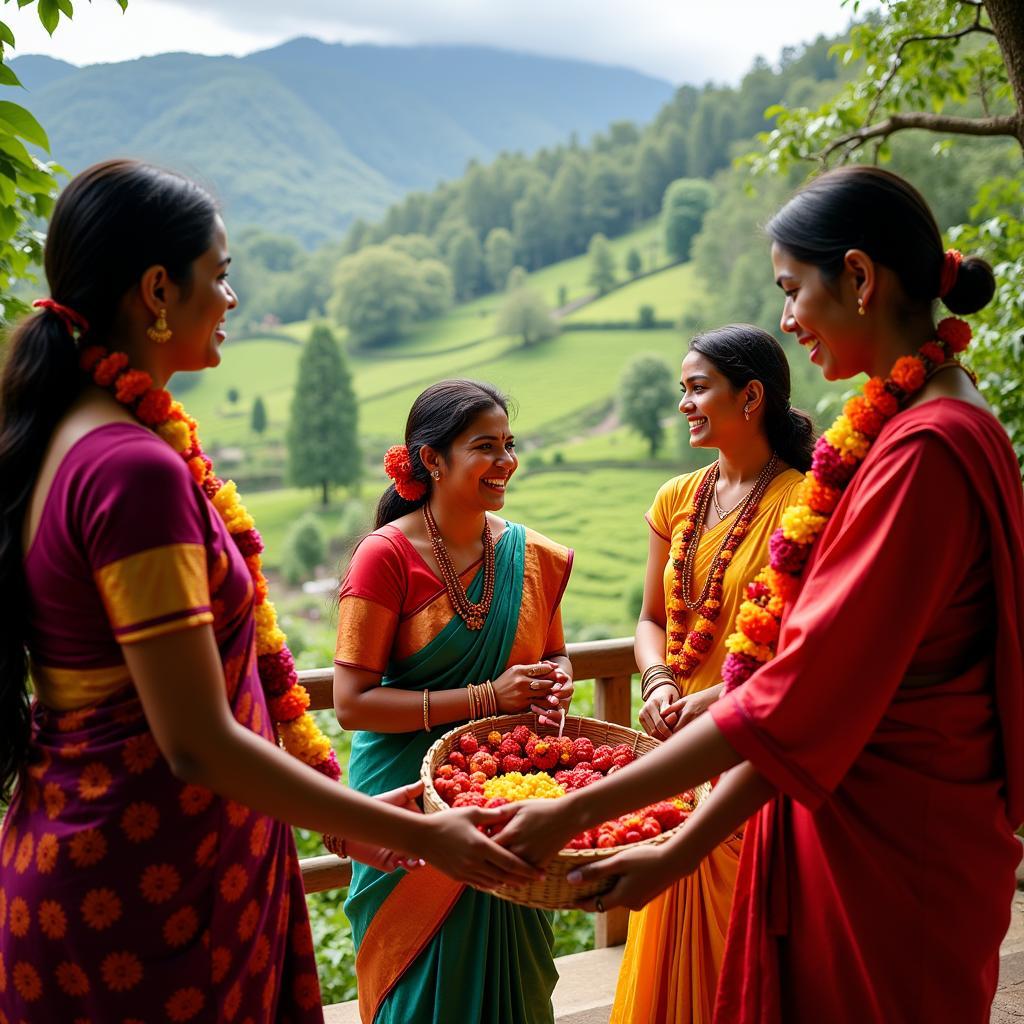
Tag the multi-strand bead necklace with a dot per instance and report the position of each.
(472, 614)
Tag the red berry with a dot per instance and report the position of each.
(468, 744)
(650, 828)
(494, 738)
(633, 836)
(469, 800)
(667, 814)
(582, 750)
(602, 759)
(457, 758)
(606, 840)
(522, 735)
(484, 762)
(583, 766)
(446, 771)
(563, 777)
(584, 841)
(514, 763)
(509, 746)
(484, 748)
(478, 778)
(544, 755)
(496, 801)
(622, 755)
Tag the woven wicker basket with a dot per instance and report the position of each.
(552, 892)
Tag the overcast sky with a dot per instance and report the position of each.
(681, 40)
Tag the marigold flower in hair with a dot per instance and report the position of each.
(398, 466)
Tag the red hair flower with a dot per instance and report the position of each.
(108, 368)
(398, 466)
(956, 333)
(933, 351)
(881, 397)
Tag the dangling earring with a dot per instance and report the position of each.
(160, 332)
(746, 412)
(860, 307)
(436, 474)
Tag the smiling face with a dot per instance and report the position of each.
(196, 312)
(823, 316)
(479, 463)
(712, 406)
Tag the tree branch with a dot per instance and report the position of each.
(1005, 125)
(897, 61)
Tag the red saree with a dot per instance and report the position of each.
(126, 894)
(877, 887)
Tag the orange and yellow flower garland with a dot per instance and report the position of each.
(685, 648)
(287, 699)
(838, 454)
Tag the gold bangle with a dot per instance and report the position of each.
(493, 697)
(426, 710)
(471, 690)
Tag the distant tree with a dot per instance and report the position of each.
(568, 206)
(419, 247)
(634, 262)
(380, 292)
(233, 396)
(675, 154)
(602, 264)
(499, 257)
(533, 227)
(647, 393)
(258, 421)
(606, 204)
(648, 179)
(682, 214)
(465, 263)
(524, 312)
(646, 317)
(305, 547)
(563, 295)
(323, 441)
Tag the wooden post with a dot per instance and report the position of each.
(612, 702)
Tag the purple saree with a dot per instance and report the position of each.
(125, 894)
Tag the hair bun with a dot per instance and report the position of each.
(973, 288)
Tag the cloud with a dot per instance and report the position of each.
(681, 40)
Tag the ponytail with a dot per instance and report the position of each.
(39, 382)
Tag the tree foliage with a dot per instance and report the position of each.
(647, 394)
(953, 67)
(499, 257)
(683, 208)
(28, 186)
(380, 292)
(305, 547)
(465, 261)
(323, 440)
(258, 418)
(524, 312)
(602, 264)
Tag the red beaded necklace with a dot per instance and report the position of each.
(472, 614)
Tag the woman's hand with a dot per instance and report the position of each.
(639, 875)
(452, 842)
(520, 687)
(538, 831)
(562, 690)
(656, 716)
(380, 857)
(686, 709)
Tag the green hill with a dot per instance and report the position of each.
(303, 138)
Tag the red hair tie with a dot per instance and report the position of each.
(951, 261)
(66, 313)
(398, 466)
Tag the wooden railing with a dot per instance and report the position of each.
(609, 663)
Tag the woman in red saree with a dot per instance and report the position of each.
(884, 742)
(145, 868)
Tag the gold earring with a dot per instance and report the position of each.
(160, 332)
(860, 307)
(436, 474)
(746, 412)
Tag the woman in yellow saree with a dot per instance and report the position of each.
(736, 389)
(447, 612)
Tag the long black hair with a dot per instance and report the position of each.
(742, 353)
(111, 223)
(436, 418)
(868, 208)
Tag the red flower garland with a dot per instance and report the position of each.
(838, 455)
(156, 408)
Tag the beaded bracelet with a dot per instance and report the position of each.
(426, 710)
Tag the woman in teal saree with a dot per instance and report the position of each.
(430, 950)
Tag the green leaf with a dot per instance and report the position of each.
(66, 8)
(7, 76)
(21, 123)
(6, 35)
(49, 14)
(123, 4)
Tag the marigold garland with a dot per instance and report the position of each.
(685, 648)
(287, 700)
(838, 454)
